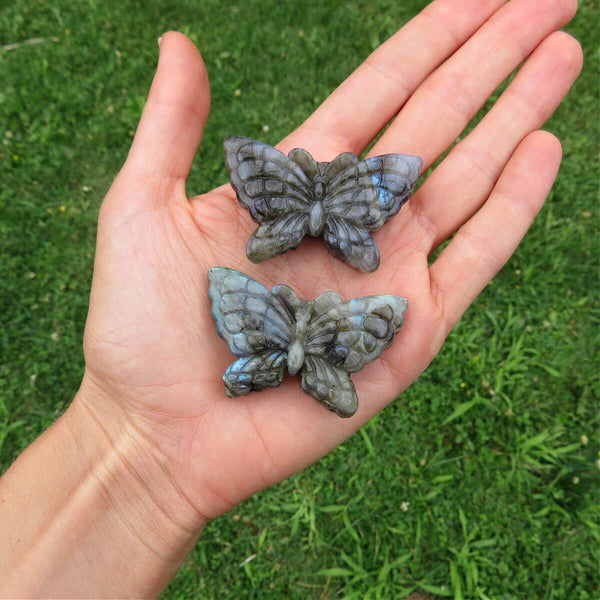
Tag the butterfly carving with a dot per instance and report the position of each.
(340, 201)
(323, 340)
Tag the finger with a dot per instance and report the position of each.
(441, 108)
(173, 120)
(463, 181)
(482, 246)
(360, 107)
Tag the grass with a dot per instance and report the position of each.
(481, 481)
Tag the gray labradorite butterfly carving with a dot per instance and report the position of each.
(340, 201)
(324, 339)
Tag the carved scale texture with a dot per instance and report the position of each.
(279, 192)
(247, 315)
(254, 373)
(330, 386)
(352, 334)
(340, 337)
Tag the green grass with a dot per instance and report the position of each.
(476, 483)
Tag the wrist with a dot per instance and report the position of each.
(103, 518)
(131, 473)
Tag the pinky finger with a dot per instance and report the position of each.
(485, 243)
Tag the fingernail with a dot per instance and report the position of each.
(159, 40)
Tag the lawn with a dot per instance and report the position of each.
(481, 481)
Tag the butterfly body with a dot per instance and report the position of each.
(323, 340)
(296, 353)
(341, 201)
(316, 219)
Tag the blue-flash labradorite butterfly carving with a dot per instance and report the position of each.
(323, 339)
(339, 201)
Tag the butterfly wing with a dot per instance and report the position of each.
(329, 385)
(276, 191)
(371, 191)
(352, 243)
(254, 373)
(276, 236)
(361, 197)
(348, 335)
(255, 324)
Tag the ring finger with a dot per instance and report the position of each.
(464, 180)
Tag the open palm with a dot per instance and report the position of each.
(150, 342)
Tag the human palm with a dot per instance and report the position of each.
(150, 342)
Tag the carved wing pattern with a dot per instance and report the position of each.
(352, 243)
(351, 334)
(276, 192)
(254, 373)
(369, 192)
(331, 386)
(279, 235)
(337, 337)
(256, 326)
(361, 198)
(248, 316)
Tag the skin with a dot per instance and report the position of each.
(151, 449)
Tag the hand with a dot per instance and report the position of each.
(154, 360)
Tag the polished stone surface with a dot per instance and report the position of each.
(323, 339)
(339, 201)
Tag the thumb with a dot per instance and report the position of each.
(173, 119)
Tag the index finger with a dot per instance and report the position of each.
(362, 105)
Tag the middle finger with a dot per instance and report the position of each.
(447, 100)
